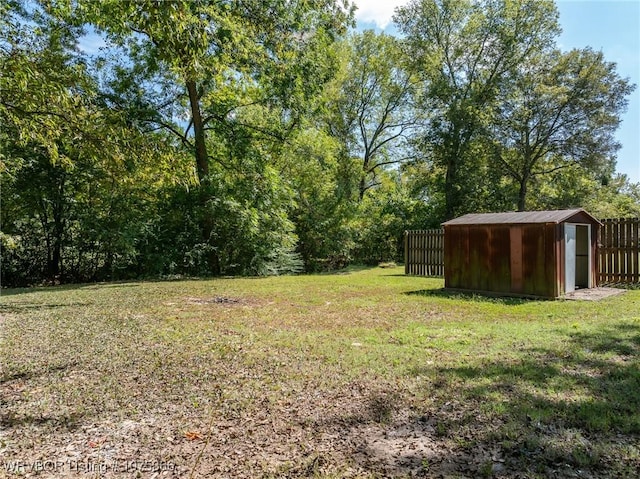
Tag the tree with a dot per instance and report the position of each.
(575, 187)
(83, 219)
(323, 202)
(371, 106)
(560, 110)
(618, 198)
(76, 177)
(44, 90)
(192, 67)
(463, 50)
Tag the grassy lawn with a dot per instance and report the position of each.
(363, 374)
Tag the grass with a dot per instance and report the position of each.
(367, 373)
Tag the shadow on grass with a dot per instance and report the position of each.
(570, 412)
(555, 408)
(68, 287)
(68, 422)
(7, 377)
(475, 297)
(12, 419)
(17, 308)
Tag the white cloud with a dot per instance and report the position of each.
(377, 11)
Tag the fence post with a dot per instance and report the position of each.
(406, 252)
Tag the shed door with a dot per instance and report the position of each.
(583, 256)
(569, 258)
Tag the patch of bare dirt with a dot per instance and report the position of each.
(223, 300)
(227, 301)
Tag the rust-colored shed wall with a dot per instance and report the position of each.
(515, 259)
(539, 259)
(513, 253)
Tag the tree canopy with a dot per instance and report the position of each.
(561, 110)
(250, 137)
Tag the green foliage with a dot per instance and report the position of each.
(370, 105)
(325, 185)
(77, 179)
(247, 237)
(253, 138)
(384, 216)
(44, 90)
(208, 61)
(463, 51)
(574, 187)
(77, 222)
(245, 72)
(560, 110)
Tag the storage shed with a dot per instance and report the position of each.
(531, 253)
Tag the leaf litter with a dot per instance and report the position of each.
(155, 397)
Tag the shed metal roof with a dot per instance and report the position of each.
(519, 217)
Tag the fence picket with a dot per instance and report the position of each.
(609, 250)
(633, 259)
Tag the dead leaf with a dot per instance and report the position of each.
(193, 435)
(97, 442)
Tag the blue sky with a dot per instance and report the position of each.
(610, 26)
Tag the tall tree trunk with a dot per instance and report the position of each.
(522, 194)
(54, 270)
(52, 221)
(44, 222)
(202, 158)
(58, 231)
(451, 189)
(362, 187)
(202, 164)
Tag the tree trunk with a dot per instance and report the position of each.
(47, 242)
(451, 189)
(522, 194)
(202, 164)
(53, 226)
(362, 188)
(202, 158)
(54, 271)
(58, 233)
(452, 182)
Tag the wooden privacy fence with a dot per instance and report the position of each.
(424, 252)
(619, 252)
